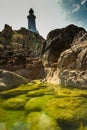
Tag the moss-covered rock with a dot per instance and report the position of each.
(39, 92)
(24, 88)
(37, 103)
(41, 121)
(41, 106)
(69, 112)
(15, 103)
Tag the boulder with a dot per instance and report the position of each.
(59, 40)
(10, 80)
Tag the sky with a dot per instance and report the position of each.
(50, 14)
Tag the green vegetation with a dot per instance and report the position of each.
(17, 35)
(45, 121)
(42, 106)
(15, 103)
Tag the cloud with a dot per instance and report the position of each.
(76, 7)
(83, 2)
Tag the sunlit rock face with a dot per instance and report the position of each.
(66, 49)
(73, 78)
(76, 56)
(75, 61)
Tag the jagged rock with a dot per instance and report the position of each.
(33, 70)
(20, 39)
(59, 40)
(22, 63)
(73, 78)
(10, 80)
(7, 32)
(28, 40)
(22, 45)
(74, 58)
(64, 49)
(67, 48)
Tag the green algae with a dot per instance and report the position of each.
(26, 106)
(37, 103)
(15, 103)
(42, 121)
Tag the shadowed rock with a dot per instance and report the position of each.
(59, 40)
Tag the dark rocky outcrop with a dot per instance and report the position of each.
(59, 40)
(60, 59)
(6, 36)
(7, 32)
(22, 63)
(20, 39)
(65, 56)
(19, 50)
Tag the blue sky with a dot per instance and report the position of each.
(51, 14)
(76, 11)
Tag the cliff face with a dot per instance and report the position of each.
(59, 40)
(19, 52)
(20, 39)
(65, 56)
(60, 59)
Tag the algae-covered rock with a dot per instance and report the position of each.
(21, 126)
(69, 112)
(37, 103)
(41, 121)
(39, 92)
(30, 107)
(15, 103)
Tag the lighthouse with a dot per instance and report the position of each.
(31, 21)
